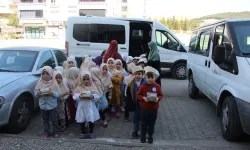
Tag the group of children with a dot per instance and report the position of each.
(88, 93)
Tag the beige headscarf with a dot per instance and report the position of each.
(87, 63)
(72, 59)
(105, 77)
(113, 71)
(81, 87)
(130, 66)
(52, 84)
(96, 74)
(63, 88)
(151, 69)
(72, 78)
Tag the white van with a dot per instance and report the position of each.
(219, 66)
(91, 35)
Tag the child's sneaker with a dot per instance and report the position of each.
(56, 135)
(92, 136)
(117, 114)
(143, 140)
(84, 136)
(150, 140)
(107, 117)
(134, 135)
(45, 136)
(113, 109)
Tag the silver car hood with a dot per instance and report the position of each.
(9, 77)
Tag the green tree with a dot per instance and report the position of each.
(13, 20)
(185, 25)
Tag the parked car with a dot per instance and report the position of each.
(219, 66)
(91, 35)
(20, 68)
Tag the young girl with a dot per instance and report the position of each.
(71, 62)
(71, 82)
(86, 108)
(116, 79)
(107, 83)
(61, 100)
(87, 64)
(47, 91)
(103, 104)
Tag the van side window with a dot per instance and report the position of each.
(81, 32)
(204, 42)
(221, 38)
(105, 33)
(165, 40)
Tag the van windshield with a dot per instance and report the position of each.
(241, 31)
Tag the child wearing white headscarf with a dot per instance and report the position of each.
(62, 99)
(86, 108)
(87, 64)
(47, 91)
(71, 81)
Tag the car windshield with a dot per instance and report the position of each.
(241, 31)
(17, 60)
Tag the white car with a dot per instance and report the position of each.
(218, 65)
(91, 35)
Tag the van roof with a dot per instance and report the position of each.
(155, 23)
(222, 21)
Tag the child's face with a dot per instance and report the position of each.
(118, 66)
(45, 75)
(71, 64)
(86, 80)
(138, 76)
(59, 79)
(150, 80)
(104, 69)
(111, 64)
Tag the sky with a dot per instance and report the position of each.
(194, 8)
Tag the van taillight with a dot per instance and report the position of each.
(67, 48)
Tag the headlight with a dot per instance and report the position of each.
(1, 101)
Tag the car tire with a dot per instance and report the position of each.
(230, 121)
(179, 71)
(193, 91)
(20, 115)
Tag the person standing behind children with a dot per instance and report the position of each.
(86, 108)
(47, 91)
(116, 79)
(149, 95)
(132, 104)
(61, 100)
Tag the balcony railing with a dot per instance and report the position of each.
(94, 2)
(32, 1)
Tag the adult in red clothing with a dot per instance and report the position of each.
(149, 95)
(112, 51)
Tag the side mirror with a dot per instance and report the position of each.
(219, 54)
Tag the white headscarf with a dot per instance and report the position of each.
(129, 59)
(72, 78)
(72, 59)
(63, 88)
(87, 63)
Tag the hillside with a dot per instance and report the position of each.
(243, 14)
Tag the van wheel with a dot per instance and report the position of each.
(230, 120)
(179, 71)
(20, 115)
(193, 91)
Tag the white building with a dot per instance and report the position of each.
(7, 7)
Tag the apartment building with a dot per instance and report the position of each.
(7, 7)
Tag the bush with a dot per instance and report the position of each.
(13, 36)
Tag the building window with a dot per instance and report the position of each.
(53, 1)
(32, 1)
(124, 8)
(31, 13)
(124, 1)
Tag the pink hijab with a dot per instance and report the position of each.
(52, 84)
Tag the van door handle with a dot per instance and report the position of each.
(123, 48)
(78, 44)
(205, 62)
(209, 63)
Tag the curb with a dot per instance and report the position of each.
(130, 143)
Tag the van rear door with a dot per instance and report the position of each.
(102, 32)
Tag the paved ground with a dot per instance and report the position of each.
(181, 121)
